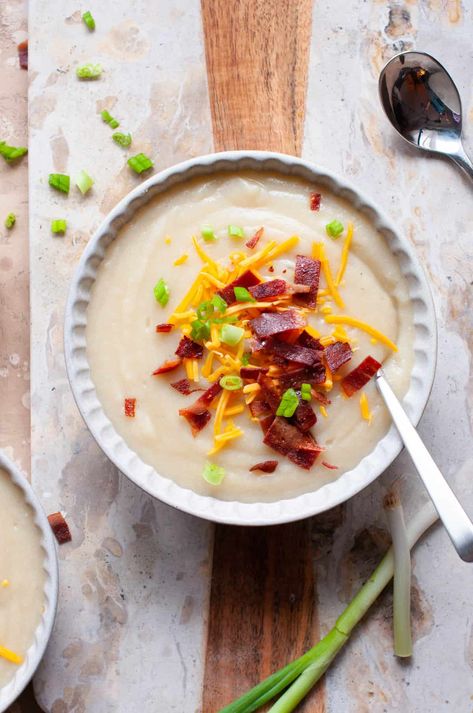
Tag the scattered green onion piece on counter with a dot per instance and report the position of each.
(205, 310)
(84, 182)
(213, 474)
(219, 303)
(11, 153)
(89, 71)
(402, 576)
(207, 233)
(242, 295)
(108, 119)
(245, 359)
(200, 330)
(288, 404)
(88, 20)
(334, 229)
(60, 181)
(235, 231)
(231, 335)
(161, 292)
(306, 392)
(58, 227)
(123, 140)
(140, 163)
(231, 382)
(10, 221)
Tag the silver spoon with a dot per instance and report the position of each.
(455, 520)
(423, 104)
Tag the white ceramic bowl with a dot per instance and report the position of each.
(15, 686)
(144, 475)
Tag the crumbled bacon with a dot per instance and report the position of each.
(321, 398)
(278, 350)
(252, 372)
(304, 417)
(293, 378)
(329, 465)
(23, 54)
(130, 407)
(252, 242)
(315, 201)
(270, 323)
(59, 527)
(266, 422)
(267, 290)
(307, 272)
(287, 439)
(168, 365)
(188, 349)
(356, 379)
(197, 414)
(307, 340)
(336, 355)
(184, 386)
(260, 409)
(165, 327)
(267, 466)
(248, 279)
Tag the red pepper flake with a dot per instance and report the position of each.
(197, 414)
(59, 527)
(287, 439)
(271, 268)
(307, 272)
(169, 365)
(329, 465)
(356, 379)
(252, 242)
(248, 279)
(184, 386)
(188, 349)
(315, 201)
(23, 54)
(165, 327)
(130, 407)
(270, 323)
(267, 466)
(336, 355)
(268, 290)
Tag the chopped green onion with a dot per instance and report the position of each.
(288, 404)
(242, 295)
(231, 335)
(207, 233)
(235, 231)
(161, 292)
(226, 320)
(213, 474)
(89, 20)
(205, 310)
(108, 119)
(123, 140)
(11, 153)
(10, 221)
(84, 182)
(306, 392)
(89, 71)
(334, 229)
(59, 181)
(231, 382)
(245, 359)
(200, 330)
(140, 163)
(58, 227)
(402, 575)
(219, 303)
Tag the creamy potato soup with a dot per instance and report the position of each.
(21, 577)
(172, 265)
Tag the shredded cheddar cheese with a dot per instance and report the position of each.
(168, 240)
(319, 250)
(365, 408)
(359, 324)
(181, 260)
(249, 388)
(5, 583)
(10, 655)
(234, 410)
(323, 411)
(344, 258)
(222, 405)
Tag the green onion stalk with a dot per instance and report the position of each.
(296, 679)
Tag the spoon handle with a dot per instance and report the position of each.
(456, 521)
(462, 159)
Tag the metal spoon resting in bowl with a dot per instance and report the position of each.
(455, 520)
(423, 104)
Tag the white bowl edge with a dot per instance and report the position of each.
(128, 462)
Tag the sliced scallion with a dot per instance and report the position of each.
(200, 330)
(58, 226)
(230, 382)
(306, 392)
(161, 292)
(207, 233)
(84, 182)
(88, 20)
(10, 221)
(235, 231)
(242, 295)
(231, 335)
(219, 303)
(89, 71)
(140, 163)
(288, 404)
(123, 140)
(11, 153)
(108, 119)
(60, 181)
(334, 229)
(213, 474)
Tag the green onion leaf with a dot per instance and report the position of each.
(235, 231)
(11, 153)
(108, 119)
(226, 320)
(140, 163)
(334, 229)
(89, 20)
(213, 474)
(59, 181)
(231, 335)
(89, 71)
(10, 221)
(200, 330)
(242, 295)
(219, 303)
(289, 404)
(245, 359)
(123, 140)
(207, 233)
(58, 227)
(161, 292)
(84, 182)
(231, 382)
(306, 392)
(205, 310)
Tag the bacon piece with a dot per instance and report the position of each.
(252, 372)
(267, 466)
(312, 375)
(321, 398)
(59, 527)
(268, 290)
(252, 242)
(266, 422)
(356, 379)
(197, 414)
(307, 272)
(287, 439)
(184, 386)
(130, 406)
(188, 349)
(336, 355)
(165, 327)
(270, 323)
(23, 54)
(304, 416)
(314, 201)
(278, 350)
(248, 279)
(168, 365)
(260, 409)
(307, 340)
(329, 465)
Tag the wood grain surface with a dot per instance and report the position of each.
(262, 605)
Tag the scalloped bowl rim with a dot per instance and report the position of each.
(144, 475)
(10, 692)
